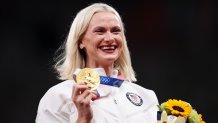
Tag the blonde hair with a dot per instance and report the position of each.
(72, 58)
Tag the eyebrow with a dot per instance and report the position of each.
(104, 27)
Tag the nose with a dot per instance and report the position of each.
(109, 37)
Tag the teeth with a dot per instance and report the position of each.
(108, 47)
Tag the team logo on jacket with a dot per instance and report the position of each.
(134, 98)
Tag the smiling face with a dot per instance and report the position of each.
(102, 40)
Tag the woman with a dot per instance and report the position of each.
(96, 40)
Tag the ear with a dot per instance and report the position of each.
(81, 45)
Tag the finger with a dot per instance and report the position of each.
(77, 88)
(88, 98)
(82, 96)
(95, 92)
(97, 95)
(85, 93)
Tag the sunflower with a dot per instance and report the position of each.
(178, 107)
(201, 120)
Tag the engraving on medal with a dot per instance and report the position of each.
(90, 77)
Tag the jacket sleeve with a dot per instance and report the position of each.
(151, 114)
(56, 106)
(151, 101)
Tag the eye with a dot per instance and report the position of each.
(99, 30)
(116, 30)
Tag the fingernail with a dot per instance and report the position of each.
(97, 97)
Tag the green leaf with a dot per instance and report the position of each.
(193, 117)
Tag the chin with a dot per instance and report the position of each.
(109, 59)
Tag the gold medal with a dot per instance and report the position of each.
(90, 77)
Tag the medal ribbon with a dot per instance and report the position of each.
(105, 80)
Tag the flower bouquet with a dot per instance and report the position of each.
(178, 111)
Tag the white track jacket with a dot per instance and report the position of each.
(129, 103)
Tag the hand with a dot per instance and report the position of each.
(82, 96)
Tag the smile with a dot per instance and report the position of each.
(108, 48)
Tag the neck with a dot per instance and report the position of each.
(107, 68)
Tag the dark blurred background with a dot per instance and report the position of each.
(173, 46)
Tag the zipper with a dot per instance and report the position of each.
(122, 118)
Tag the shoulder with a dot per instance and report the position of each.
(148, 94)
(59, 94)
(61, 89)
(56, 104)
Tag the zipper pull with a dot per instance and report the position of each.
(115, 101)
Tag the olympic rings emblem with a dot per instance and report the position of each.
(105, 79)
